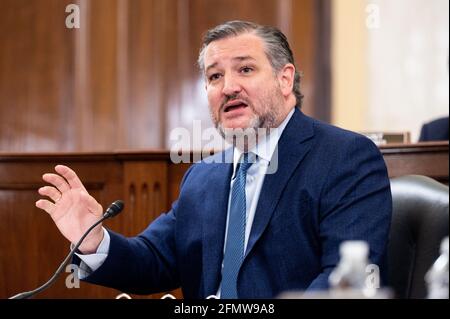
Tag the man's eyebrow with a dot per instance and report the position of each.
(210, 66)
(238, 58)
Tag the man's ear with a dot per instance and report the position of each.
(286, 78)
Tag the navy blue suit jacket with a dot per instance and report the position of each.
(331, 185)
(436, 130)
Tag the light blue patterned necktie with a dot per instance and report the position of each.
(234, 248)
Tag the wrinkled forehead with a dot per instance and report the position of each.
(234, 49)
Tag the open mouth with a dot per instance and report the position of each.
(231, 106)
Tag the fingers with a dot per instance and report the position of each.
(51, 192)
(65, 181)
(46, 205)
(70, 176)
(57, 181)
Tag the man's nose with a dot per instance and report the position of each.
(231, 86)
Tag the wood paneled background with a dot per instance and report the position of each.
(128, 75)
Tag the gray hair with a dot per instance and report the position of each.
(278, 50)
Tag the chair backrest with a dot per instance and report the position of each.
(419, 223)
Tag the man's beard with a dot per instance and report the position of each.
(260, 123)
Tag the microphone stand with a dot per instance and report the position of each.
(112, 210)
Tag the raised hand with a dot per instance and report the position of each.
(71, 207)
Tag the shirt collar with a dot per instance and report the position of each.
(266, 146)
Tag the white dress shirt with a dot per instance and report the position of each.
(264, 151)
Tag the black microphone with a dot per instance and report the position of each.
(113, 209)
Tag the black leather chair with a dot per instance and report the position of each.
(419, 223)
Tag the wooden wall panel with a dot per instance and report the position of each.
(128, 75)
(101, 133)
(36, 74)
(310, 40)
(31, 248)
(145, 186)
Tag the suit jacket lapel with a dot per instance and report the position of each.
(215, 217)
(292, 147)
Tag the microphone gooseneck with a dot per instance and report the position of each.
(115, 208)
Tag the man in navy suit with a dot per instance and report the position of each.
(253, 221)
(436, 130)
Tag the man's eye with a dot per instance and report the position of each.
(246, 69)
(214, 77)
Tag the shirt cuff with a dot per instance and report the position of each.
(91, 262)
